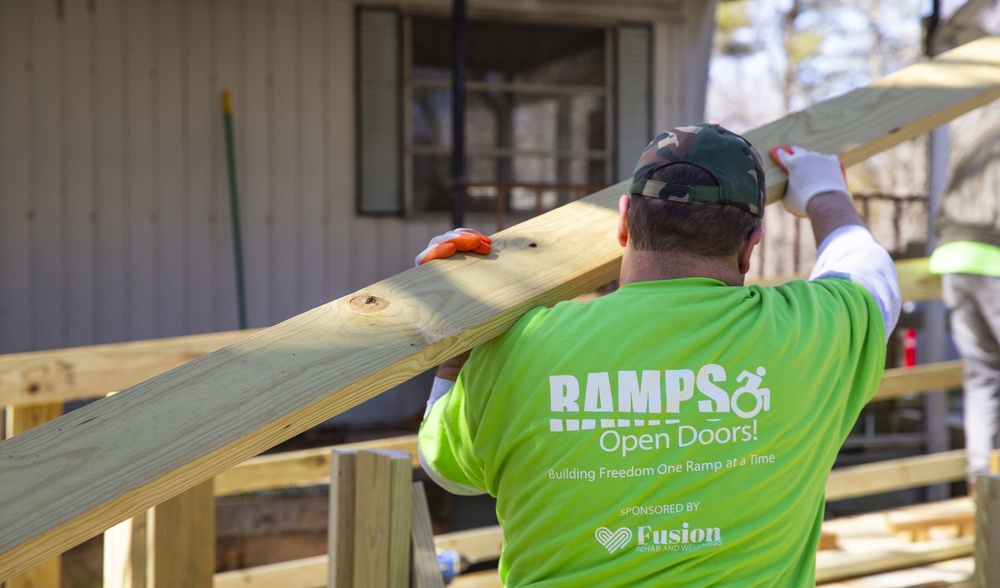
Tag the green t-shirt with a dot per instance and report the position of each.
(672, 433)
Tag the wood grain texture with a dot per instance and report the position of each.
(893, 109)
(372, 521)
(958, 514)
(896, 474)
(305, 467)
(920, 379)
(89, 372)
(125, 554)
(18, 420)
(300, 573)
(171, 544)
(916, 283)
(182, 537)
(400, 517)
(61, 375)
(987, 543)
(112, 459)
(426, 571)
(833, 565)
(343, 467)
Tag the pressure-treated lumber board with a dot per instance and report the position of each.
(89, 372)
(301, 573)
(382, 502)
(987, 545)
(125, 554)
(400, 517)
(896, 474)
(340, 534)
(182, 537)
(837, 565)
(304, 467)
(171, 544)
(59, 375)
(958, 513)
(916, 283)
(893, 109)
(109, 460)
(919, 379)
(952, 573)
(371, 520)
(426, 571)
(483, 579)
(18, 420)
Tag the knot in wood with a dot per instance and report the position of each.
(368, 304)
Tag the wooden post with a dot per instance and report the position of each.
(125, 554)
(182, 533)
(19, 419)
(171, 544)
(341, 528)
(370, 511)
(382, 519)
(400, 515)
(426, 571)
(987, 550)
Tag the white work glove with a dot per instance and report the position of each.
(452, 241)
(809, 174)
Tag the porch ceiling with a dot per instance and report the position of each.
(632, 10)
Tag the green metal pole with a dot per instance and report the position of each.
(234, 208)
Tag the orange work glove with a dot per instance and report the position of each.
(452, 241)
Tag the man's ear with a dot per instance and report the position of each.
(623, 203)
(747, 249)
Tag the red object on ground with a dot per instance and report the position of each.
(910, 348)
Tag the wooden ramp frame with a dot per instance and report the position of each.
(380, 528)
(86, 471)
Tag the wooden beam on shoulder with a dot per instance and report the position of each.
(79, 373)
(116, 457)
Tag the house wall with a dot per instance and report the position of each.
(114, 196)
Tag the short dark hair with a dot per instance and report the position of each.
(705, 230)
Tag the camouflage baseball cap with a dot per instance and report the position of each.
(730, 158)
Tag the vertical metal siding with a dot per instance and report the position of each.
(633, 52)
(113, 191)
(114, 213)
(16, 305)
(379, 88)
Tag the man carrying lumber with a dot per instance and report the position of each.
(679, 431)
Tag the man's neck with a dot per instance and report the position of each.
(647, 266)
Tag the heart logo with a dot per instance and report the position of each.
(613, 540)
